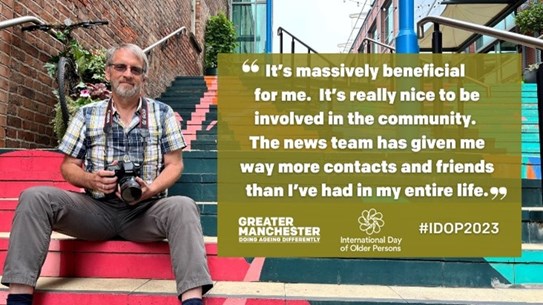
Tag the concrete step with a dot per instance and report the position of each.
(60, 291)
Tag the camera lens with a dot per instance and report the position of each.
(130, 190)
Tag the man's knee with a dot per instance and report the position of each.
(35, 198)
(182, 207)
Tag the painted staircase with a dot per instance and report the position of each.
(121, 272)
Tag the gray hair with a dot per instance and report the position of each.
(136, 50)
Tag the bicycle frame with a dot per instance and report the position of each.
(67, 76)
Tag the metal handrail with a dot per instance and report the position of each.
(25, 19)
(280, 31)
(480, 29)
(391, 48)
(163, 40)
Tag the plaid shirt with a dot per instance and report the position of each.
(85, 139)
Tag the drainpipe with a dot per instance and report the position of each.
(406, 41)
(269, 26)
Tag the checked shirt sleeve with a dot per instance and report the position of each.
(72, 143)
(172, 138)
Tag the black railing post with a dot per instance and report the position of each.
(281, 42)
(437, 40)
(295, 39)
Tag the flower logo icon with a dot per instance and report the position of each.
(371, 221)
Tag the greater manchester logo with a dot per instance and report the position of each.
(371, 221)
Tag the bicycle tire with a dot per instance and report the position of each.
(67, 80)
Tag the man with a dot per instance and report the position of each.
(125, 131)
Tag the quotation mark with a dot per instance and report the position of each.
(371, 221)
(498, 191)
(253, 67)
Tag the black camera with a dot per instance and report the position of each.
(126, 173)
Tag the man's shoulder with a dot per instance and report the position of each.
(158, 105)
(95, 106)
(156, 102)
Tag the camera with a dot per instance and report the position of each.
(126, 173)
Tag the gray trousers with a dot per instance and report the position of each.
(44, 209)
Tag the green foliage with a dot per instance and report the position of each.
(220, 37)
(530, 20)
(58, 122)
(90, 67)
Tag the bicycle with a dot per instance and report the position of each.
(67, 76)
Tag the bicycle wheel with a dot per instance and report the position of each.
(68, 80)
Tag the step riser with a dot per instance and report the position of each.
(75, 258)
(531, 232)
(116, 259)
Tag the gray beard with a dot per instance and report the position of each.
(134, 91)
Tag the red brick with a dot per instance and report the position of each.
(14, 121)
(12, 143)
(129, 22)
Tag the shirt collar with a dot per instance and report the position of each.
(115, 108)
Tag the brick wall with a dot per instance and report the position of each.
(26, 99)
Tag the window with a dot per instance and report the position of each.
(249, 17)
(388, 22)
(373, 34)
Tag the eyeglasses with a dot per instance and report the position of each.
(122, 67)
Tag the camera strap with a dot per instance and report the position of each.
(144, 115)
(108, 124)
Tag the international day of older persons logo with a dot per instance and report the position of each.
(371, 221)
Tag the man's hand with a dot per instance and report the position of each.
(104, 181)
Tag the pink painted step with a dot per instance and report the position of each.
(198, 117)
(70, 257)
(7, 209)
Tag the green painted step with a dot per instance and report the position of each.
(180, 99)
(428, 272)
(204, 145)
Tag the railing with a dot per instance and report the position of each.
(24, 19)
(295, 39)
(177, 33)
(500, 34)
(477, 28)
(35, 20)
(368, 40)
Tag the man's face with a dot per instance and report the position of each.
(125, 73)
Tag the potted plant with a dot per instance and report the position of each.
(530, 19)
(220, 37)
